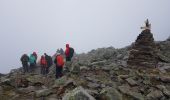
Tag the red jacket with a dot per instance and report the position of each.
(43, 61)
(67, 51)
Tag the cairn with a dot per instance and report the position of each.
(143, 52)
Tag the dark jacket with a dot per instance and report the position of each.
(24, 58)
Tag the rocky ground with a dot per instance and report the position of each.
(101, 74)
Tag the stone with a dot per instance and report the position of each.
(166, 92)
(35, 79)
(131, 82)
(60, 82)
(165, 79)
(26, 90)
(92, 79)
(84, 68)
(75, 69)
(110, 94)
(1, 90)
(78, 94)
(43, 93)
(93, 85)
(154, 95)
(126, 90)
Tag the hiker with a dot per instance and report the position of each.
(25, 59)
(32, 61)
(43, 64)
(61, 51)
(49, 62)
(35, 55)
(69, 52)
(59, 61)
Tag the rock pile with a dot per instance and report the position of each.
(143, 52)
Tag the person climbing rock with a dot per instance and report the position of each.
(35, 55)
(59, 61)
(25, 59)
(49, 62)
(32, 61)
(69, 52)
(43, 64)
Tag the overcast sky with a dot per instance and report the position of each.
(45, 25)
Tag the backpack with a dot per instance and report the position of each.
(71, 52)
(60, 60)
(43, 61)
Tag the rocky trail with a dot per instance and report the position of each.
(101, 74)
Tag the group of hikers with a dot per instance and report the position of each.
(30, 62)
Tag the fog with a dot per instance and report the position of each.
(45, 25)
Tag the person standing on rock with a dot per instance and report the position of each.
(43, 63)
(49, 62)
(61, 51)
(59, 61)
(25, 59)
(35, 55)
(69, 52)
(32, 61)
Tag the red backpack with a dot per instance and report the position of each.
(60, 60)
(43, 61)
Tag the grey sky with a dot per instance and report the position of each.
(45, 25)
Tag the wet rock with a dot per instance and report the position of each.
(26, 90)
(43, 93)
(84, 68)
(92, 79)
(1, 90)
(35, 79)
(93, 85)
(61, 82)
(166, 92)
(124, 89)
(110, 94)
(131, 82)
(75, 69)
(123, 76)
(100, 63)
(165, 79)
(78, 94)
(127, 91)
(154, 95)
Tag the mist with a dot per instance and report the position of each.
(44, 26)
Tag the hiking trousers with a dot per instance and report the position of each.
(25, 66)
(59, 71)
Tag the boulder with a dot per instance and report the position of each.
(35, 79)
(60, 82)
(155, 95)
(126, 90)
(93, 85)
(43, 93)
(110, 94)
(26, 90)
(131, 82)
(75, 69)
(165, 79)
(78, 94)
(1, 90)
